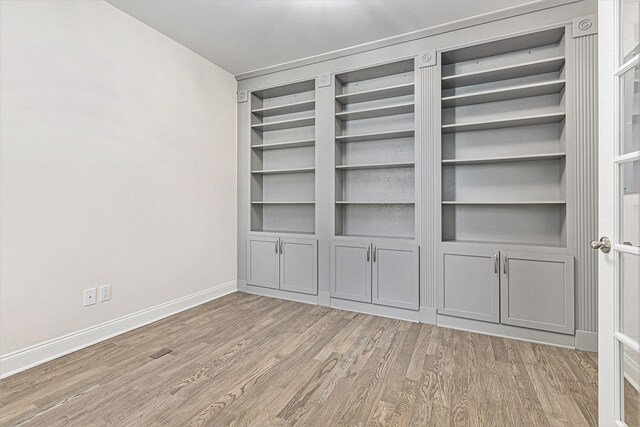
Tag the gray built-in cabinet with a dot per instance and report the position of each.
(379, 272)
(436, 185)
(285, 263)
(505, 183)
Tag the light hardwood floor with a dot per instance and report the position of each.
(250, 360)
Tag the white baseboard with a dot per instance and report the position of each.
(26, 358)
(632, 372)
(587, 341)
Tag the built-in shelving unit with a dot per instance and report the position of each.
(283, 141)
(504, 153)
(375, 171)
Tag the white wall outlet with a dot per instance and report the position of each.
(105, 293)
(89, 296)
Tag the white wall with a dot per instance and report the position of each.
(118, 166)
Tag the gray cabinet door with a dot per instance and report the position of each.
(262, 261)
(351, 270)
(537, 291)
(395, 280)
(469, 283)
(299, 265)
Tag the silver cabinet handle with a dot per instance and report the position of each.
(368, 253)
(505, 265)
(375, 250)
(495, 263)
(280, 245)
(277, 245)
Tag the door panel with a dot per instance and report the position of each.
(469, 284)
(299, 265)
(395, 280)
(351, 271)
(262, 261)
(537, 291)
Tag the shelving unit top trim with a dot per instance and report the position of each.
(507, 72)
(504, 94)
(284, 90)
(498, 47)
(376, 94)
(505, 159)
(377, 71)
(294, 107)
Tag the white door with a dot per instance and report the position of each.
(619, 213)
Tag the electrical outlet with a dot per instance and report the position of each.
(105, 293)
(89, 296)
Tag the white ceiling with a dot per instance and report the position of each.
(246, 35)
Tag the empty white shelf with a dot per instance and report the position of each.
(376, 166)
(343, 202)
(508, 72)
(505, 159)
(376, 136)
(284, 124)
(504, 123)
(283, 203)
(282, 171)
(283, 145)
(295, 107)
(376, 94)
(370, 113)
(503, 94)
(517, 202)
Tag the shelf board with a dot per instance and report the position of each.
(376, 136)
(282, 171)
(371, 113)
(504, 123)
(376, 94)
(284, 124)
(283, 203)
(343, 202)
(283, 145)
(375, 236)
(498, 203)
(295, 107)
(542, 66)
(501, 243)
(505, 159)
(376, 166)
(504, 94)
(307, 233)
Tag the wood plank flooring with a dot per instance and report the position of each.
(249, 360)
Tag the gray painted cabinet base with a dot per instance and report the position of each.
(263, 261)
(469, 284)
(351, 270)
(537, 291)
(379, 272)
(288, 264)
(298, 265)
(395, 279)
